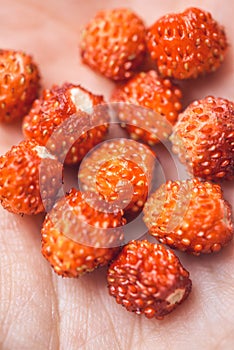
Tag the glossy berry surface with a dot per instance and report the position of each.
(124, 182)
(113, 43)
(161, 102)
(204, 138)
(80, 233)
(30, 178)
(190, 215)
(188, 44)
(148, 279)
(121, 171)
(69, 120)
(20, 83)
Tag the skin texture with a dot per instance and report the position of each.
(40, 310)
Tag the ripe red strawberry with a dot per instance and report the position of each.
(68, 120)
(155, 94)
(148, 279)
(120, 170)
(190, 215)
(81, 233)
(113, 43)
(204, 138)
(124, 182)
(188, 44)
(19, 78)
(30, 178)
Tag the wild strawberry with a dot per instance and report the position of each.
(113, 43)
(188, 44)
(68, 120)
(19, 78)
(156, 95)
(121, 171)
(148, 279)
(204, 138)
(189, 215)
(81, 233)
(30, 178)
(122, 181)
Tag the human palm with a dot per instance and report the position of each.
(38, 309)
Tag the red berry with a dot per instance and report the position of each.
(81, 233)
(113, 43)
(204, 138)
(30, 178)
(148, 279)
(153, 93)
(121, 171)
(122, 181)
(188, 44)
(19, 78)
(68, 120)
(190, 215)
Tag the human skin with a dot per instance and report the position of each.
(38, 309)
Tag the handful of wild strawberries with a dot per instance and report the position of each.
(85, 228)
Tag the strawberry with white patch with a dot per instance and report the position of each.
(68, 120)
(148, 279)
(30, 178)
